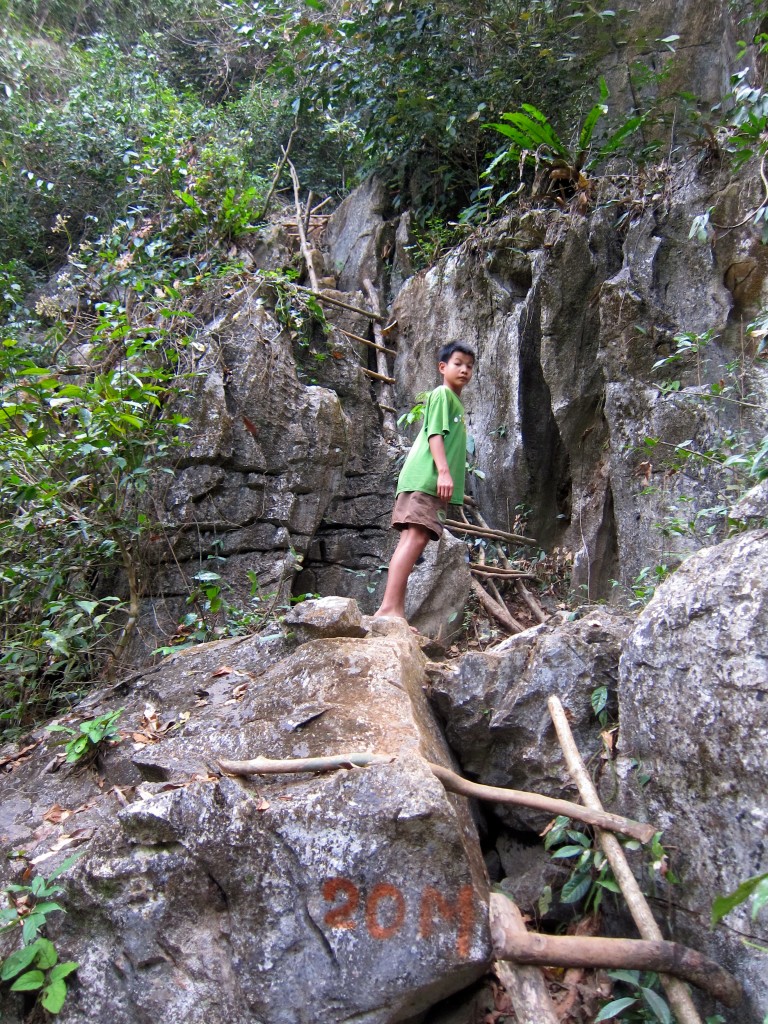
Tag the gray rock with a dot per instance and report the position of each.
(494, 705)
(438, 589)
(207, 900)
(693, 696)
(326, 617)
(355, 235)
(752, 506)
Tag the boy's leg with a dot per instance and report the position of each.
(413, 540)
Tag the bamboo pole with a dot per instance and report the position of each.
(278, 171)
(385, 392)
(678, 995)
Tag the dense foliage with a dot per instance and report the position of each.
(142, 144)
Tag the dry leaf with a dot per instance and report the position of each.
(223, 670)
(262, 805)
(80, 835)
(57, 814)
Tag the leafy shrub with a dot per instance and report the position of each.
(85, 742)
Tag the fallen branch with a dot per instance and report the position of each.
(306, 252)
(496, 570)
(538, 612)
(329, 763)
(498, 611)
(679, 997)
(476, 531)
(278, 171)
(453, 783)
(366, 341)
(525, 985)
(603, 819)
(377, 376)
(323, 297)
(524, 947)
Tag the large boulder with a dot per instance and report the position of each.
(354, 895)
(693, 695)
(494, 705)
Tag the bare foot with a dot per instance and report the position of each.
(389, 613)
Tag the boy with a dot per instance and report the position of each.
(432, 476)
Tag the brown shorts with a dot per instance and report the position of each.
(414, 508)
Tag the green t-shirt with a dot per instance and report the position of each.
(443, 414)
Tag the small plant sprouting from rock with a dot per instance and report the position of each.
(34, 966)
(754, 889)
(85, 742)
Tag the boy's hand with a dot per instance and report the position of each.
(444, 485)
(444, 478)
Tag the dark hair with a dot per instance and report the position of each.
(447, 351)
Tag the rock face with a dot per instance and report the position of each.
(495, 705)
(355, 895)
(568, 316)
(693, 698)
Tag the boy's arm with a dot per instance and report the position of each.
(444, 478)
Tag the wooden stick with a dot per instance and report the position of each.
(329, 763)
(306, 252)
(453, 783)
(323, 297)
(456, 527)
(499, 612)
(525, 986)
(494, 570)
(605, 819)
(524, 947)
(679, 997)
(366, 341)
(377, 376)
(539, 614)
(385, 392)
(321, 205)
(278, 171)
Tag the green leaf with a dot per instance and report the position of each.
(32, 925)
(630, 977)
(609, 884)
(567, 851)
(575, 888)
(53, 996)
(585, 136)
(17, 961)
(725, 904)
(28, 982)
(66, 864)
(88, 606)
(657, 1005)
(616, 1006)
(63, 970)
(46, 954)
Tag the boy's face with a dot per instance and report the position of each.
(457, 372)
